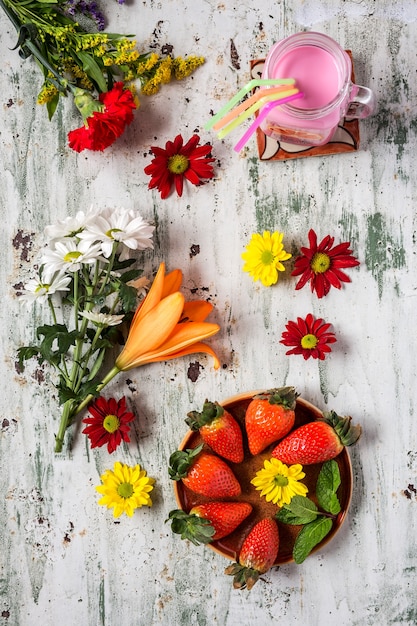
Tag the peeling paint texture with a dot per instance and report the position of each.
(66, 561)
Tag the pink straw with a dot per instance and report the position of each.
(260, 118)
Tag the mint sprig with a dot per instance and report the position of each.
(304, 512)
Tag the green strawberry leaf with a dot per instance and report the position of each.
(328, 482)
(309, 536)
(300, 510)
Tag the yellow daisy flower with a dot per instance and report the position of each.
(278, 482)
(263, 257)
(125, 489)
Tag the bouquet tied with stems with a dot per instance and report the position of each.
(98, 68)
(98, 301)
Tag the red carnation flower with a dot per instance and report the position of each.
(176, 162)
(102, 127)
(321, 264)
(109, 423)
(310, 337)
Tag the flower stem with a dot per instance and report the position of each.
(70, 410)
(113, 372)
(65, 419)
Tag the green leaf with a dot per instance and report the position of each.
(310, 536)
(328, 482)
(25, 353)
(97, 365)
(300, 510)
(130, 275)
(51, 106)
(128, 296)
(92, 69)
(65, 393)
(121, 265)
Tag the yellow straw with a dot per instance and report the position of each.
(247, 103)
(252, 109)
(256, 82)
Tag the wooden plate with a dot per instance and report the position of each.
(229, 546)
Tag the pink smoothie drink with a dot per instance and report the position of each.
(315, 73)
(322, 73)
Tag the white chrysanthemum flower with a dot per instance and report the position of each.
(71, 226)
(119, 225)
(45, 286)
(101, 319)
(70, 255)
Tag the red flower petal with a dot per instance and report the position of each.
(199, 165)
(340, 256)
(295, 332)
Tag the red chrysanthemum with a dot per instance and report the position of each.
(310, 337)
(176, 162)
(321, 264)
(102, 128)
(109, 423)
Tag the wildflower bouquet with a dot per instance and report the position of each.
(97, 301)
(97, 68)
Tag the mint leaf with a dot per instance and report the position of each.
(329, 476)
(328, 482)
(300, 510)
(309, 536)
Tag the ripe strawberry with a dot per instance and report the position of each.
(269, 417)
(257, 555)
(204, 473)
(318, 441)
(210, 521)
(219, 430)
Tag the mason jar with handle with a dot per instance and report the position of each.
(322, 71)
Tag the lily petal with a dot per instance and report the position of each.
(154, 329)
(153, 297)
(196, 310)
(172, 282)
(194, 348)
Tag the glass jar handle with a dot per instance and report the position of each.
(362, 103)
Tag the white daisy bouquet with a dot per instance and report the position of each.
(85, 276)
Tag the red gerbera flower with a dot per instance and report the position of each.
(102, 127)
(109, 423)
(310, 337)
(321, 264)
(176, 162)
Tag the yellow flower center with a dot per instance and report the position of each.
(320, 263)
(44, 286)
(280, 480)
(178, 164)
(110, 232)
(267, 258)
(125, 490)
(308, 342)
(72, 256)
(111, 423)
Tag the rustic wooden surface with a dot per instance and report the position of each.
(65, 560)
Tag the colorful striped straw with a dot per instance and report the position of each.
(261, 93)
(256, 82)
(260, 118)
(252, 109)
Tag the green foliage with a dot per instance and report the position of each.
(310, 536)
(316, 524)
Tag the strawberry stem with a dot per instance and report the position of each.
(347, 432)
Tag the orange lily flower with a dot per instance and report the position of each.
(165, 327)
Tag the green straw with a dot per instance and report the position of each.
(256, 82)
(243, 116)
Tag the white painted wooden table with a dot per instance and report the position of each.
(65, 560)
